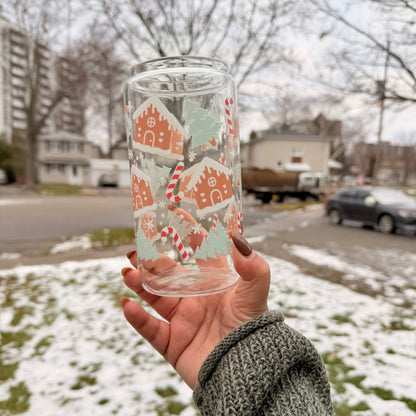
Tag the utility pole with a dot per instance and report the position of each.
(381, 91)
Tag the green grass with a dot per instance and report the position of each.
(113, 237)
(339, 376)
(18, 400)
(7, 370)
(83, 381)
(344, 409)
(57, 189)
(166, 391)
(171, 407)
(343, 319)
(291, 206)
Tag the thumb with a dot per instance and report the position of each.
(253, 287)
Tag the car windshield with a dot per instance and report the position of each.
(391, 196)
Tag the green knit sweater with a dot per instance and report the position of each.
(263, 367)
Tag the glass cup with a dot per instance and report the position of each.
(183, 145)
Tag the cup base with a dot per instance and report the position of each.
(190, 283)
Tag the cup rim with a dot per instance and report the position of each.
(186, 60)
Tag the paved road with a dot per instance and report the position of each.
(31, 225)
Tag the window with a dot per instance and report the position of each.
(348, 194)
(55, 168)
(75, 170)
(212, 181)
(361, 195)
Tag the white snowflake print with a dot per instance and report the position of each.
(191, 155)
(233, 154)
(162, 204)
(131, 154)
(149, 225)
(197, 228)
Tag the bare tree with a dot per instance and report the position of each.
(244, 33)
(35, 21)
(389, 32)
(104, 72)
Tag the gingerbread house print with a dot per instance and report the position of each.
(157, 131)
(208, 185)
(148, 225)
(232, 218)
(141, 192)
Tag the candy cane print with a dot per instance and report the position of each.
(228, 109)
(214, 222)
(178, 242)
(172, 183)
(239, 218)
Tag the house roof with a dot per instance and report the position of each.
(289, 136)
(164, 113)
(58, 161)
(198, 170)
(135, 170)
(63, 136)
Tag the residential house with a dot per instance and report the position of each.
(303, 146)
(64, 157)
(396, 165)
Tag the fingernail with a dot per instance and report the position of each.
(130, 254)
(125, 270)
(123, 301)
(242, 244)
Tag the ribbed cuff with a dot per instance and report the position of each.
(235, 336)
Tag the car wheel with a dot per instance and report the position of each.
(386, 224)
(335, 217)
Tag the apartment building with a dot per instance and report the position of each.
(64, 125)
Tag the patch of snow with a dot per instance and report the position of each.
(81, 242)
(258, 239)
(82, 354)
(10, 256)
(19, 201)
(394, 278)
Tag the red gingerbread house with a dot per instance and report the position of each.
(157, 131)
(208, 185)
(148, 225)
(141, 192)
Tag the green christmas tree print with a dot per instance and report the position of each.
(214, 245)
(145, 250)
(201, 126)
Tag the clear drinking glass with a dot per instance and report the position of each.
(183, 144)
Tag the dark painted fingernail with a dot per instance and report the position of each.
(125, 270)
(242, 244)
(130, 254)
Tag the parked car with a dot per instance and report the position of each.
(3, 177)
(386, 208)
(107, 179)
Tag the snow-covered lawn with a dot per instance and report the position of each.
(67, 350)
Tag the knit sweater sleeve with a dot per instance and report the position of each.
(263, 367)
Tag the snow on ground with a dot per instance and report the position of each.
(391, 274)
(66, 348)
(82, 242)
(19, 201)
